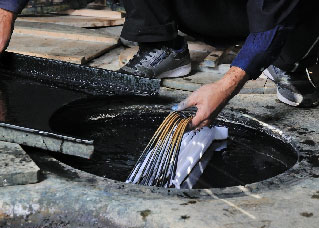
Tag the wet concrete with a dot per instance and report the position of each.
(67, 197)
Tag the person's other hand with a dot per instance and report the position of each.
(210, 99)
(6, 27)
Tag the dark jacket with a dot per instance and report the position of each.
(15, 6)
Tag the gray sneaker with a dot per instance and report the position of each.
(293, 88)
(159, 61)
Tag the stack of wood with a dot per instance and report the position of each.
(63, 36)
(85, 18)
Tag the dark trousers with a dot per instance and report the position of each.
(159, 20)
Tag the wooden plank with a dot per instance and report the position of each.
(62, 35)
(198, 51)
(94, 13)
(212, 60)
(126, 55)
(60, 42)
(63, 31)
(230, 54)
(197, 46)
(73, 51)
(77, 21)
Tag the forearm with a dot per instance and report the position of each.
(210, 99)
(229, 85)
(233, 81)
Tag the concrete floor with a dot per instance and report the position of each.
(65, 197)
(70, 198)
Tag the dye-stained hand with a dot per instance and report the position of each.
(6, 27)
(210, 99)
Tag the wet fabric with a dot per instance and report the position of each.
(15, 6)
(193, 147)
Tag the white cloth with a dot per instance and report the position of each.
(200, 167)
(193, 146)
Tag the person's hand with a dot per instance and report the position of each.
(210, 99)
(6, 27)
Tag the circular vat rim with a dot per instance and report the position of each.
(280, 180)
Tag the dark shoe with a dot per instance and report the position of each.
(159, 61)
(293, 88)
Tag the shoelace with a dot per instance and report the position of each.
(140, 56)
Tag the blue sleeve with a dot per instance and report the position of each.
(260, 50)
(15, 6)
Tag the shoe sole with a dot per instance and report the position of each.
(177, 72)
(297, 97)
(302, 101)
(289, 102)
(279, 96)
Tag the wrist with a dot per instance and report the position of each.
(231, 83)
(234, 78)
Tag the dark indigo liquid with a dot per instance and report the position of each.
(122, 130)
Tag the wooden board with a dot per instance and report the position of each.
(198, 51)
(62, 31)
(59, 42)
(94, 13)
(126, 55)
(77, 21)
(212, 60)
(78, 52)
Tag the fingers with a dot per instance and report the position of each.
(205, 123)
(195, 126)
(201, 119)
(188, 102)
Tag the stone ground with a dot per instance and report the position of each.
(16, 167)
(65, 197)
